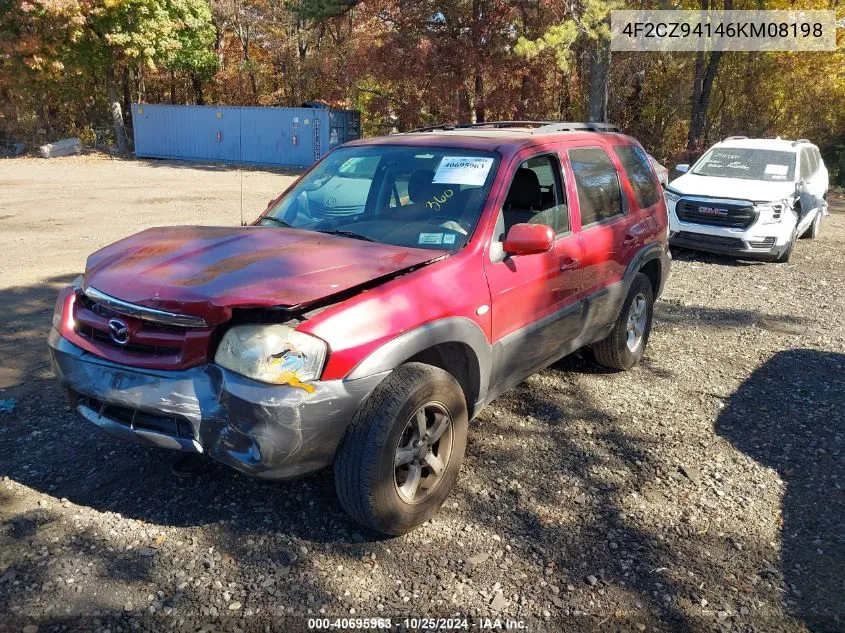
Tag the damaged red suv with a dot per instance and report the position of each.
(374, 308)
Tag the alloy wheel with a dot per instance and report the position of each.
(637, 317)
(422, 453)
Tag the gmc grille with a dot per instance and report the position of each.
(735, 215)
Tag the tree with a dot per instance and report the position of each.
(101, 38)
(196, 34)
(589, 25)
(705, 74)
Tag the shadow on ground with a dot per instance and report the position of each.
(805, 442)
(47, 447)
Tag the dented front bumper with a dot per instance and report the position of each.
(269, 431)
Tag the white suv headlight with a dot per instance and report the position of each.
(275, 354)
(770, 212)
(671, 198)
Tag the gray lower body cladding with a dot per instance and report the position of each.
(268, 431)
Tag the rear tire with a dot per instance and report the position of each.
(624, 346)
(400, 457)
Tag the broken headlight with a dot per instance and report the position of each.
(671, 198)
(771, 212)
(275, 354)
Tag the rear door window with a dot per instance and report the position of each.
(637, 167)
(817, 154)
(597, 184)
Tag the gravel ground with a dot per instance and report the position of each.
(700, 491)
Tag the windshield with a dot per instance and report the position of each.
(748, 164)
(406, 196)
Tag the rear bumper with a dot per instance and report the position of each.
(268, 431)
(754, 248)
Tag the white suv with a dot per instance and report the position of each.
(749, 197)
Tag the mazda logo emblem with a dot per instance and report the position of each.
(119, 331)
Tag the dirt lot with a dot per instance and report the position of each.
(700, 491)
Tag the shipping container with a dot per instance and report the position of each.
(285, 137)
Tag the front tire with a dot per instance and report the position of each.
(624, 346)
(400, 457)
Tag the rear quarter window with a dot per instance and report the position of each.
(806, 168)
(637, 167)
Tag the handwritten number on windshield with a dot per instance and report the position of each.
(435, 202)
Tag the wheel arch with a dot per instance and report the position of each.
(445, 343)
(652, 261)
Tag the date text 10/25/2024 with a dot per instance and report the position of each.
(416, 624)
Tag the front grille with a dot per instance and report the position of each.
(149, 344)
(735, 215)
(711, 240)
(135, 348)
(135, 419)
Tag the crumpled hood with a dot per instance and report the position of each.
(716, 187)
(206, 271)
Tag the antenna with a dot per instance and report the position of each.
(241, 161)
(241, 172)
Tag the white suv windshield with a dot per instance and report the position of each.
(747, 163)
(406, 196)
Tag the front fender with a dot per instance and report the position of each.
(449, 330)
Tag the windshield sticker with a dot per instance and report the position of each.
(430, 238)
(449, 238)
(777, 170)
(460, 170)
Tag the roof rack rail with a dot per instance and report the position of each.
(542, 127)
(735, 138)
(799, 141)
(488, 124)
(577, 126)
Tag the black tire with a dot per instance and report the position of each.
(790, 247)
(364, 470)
(613, 351)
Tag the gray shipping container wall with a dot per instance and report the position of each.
(288, 137)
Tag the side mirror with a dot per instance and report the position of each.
(682, 168)
(528, 239)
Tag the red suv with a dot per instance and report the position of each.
(374, 308)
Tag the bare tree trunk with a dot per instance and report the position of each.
(172, 87)
(479, 98)
(125, 80)
(478, 16)
(701, 89)
(116, 114)
(468, 111)
(196, 82)
(599, 55)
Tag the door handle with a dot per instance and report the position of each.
(568, 264)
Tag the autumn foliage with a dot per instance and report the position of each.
(66, 64)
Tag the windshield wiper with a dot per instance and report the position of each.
(346, 233)
(270, 218)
